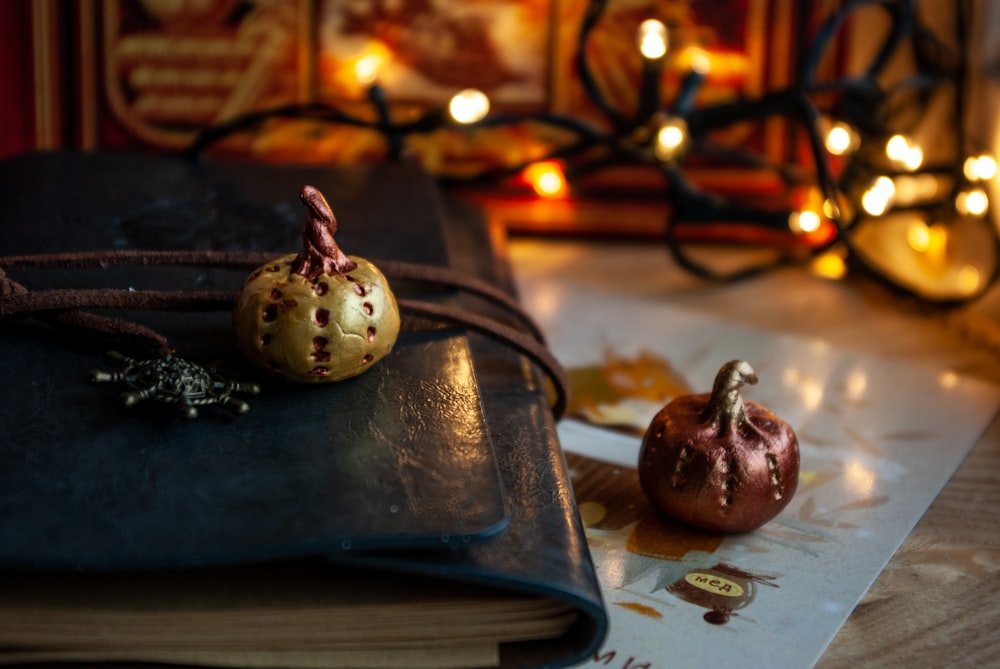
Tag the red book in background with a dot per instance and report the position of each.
(29, 83)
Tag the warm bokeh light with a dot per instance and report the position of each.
(973, 202)
(931, 242)
(842, 139)
(903, 151)
(829, 265)
(696, 59)
(968, 279)
(804, 221)
(469, 106)
(861, 478)
(897, 147)
(879, 197)
(916, 188)
(948, 379)
(671, 138)
(856, 385)
(980, 168)
(918, 236)
(652, 39)
(547, 178)
(366, 68)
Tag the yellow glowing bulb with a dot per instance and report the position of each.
(972, 202)
(968, 279)
(841, 139)
(937, 242)
(897, 147)
(914, 158)
(879, 197)
(930, 243)
(904, 152)
(549, 183)
(366, 69)
(652, 39)
(469, 106)
(547, 178)
(872, 203)
(696, 59)
(980, 168)
(804, 221)
(915, 188)
(918, 236)
(670, 138)
(986, 167)
(838, 140)
(829, 265)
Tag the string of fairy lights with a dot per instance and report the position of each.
(862, 170)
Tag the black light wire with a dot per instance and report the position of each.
(629, 137)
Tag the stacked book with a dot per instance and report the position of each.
(419, 514)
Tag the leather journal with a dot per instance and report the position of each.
(419, 514)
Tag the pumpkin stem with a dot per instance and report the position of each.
(725, 407)
(320, 254)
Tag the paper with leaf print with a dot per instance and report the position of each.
(879, 439)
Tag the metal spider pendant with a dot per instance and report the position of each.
(173, 380)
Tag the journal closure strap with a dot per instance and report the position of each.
(65, 307)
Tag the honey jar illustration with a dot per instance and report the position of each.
(722, 589)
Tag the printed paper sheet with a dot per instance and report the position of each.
(879, 439)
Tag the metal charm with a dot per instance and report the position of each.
(173, 380)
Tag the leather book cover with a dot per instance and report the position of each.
(441, 460)
(396, 456)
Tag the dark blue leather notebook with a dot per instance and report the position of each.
(439, 462)
(397, 457)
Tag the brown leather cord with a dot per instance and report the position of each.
(393, 269)
(63, 306)
(110, 298)
(521, 342)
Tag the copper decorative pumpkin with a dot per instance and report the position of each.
(316, 316)
(717, 462)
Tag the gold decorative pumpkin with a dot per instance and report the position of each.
(317, 316)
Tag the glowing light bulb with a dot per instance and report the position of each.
(671, 138)
(829, 265)
(973, 202)
(914, 159)
(980, 168)
(968, 279)
(931, 242)
(896, 147)
(842, 139)
(366, 69)
(547, 178)
(937, 241)
(804, 222)
(915, 188)
(469, 106)
(695, 59)
(652, 39)
(904, 152)
(879, 197)
(918, 236)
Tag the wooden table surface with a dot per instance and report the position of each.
(937, 603)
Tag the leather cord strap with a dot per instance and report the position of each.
(394, 269)
(64, 307)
